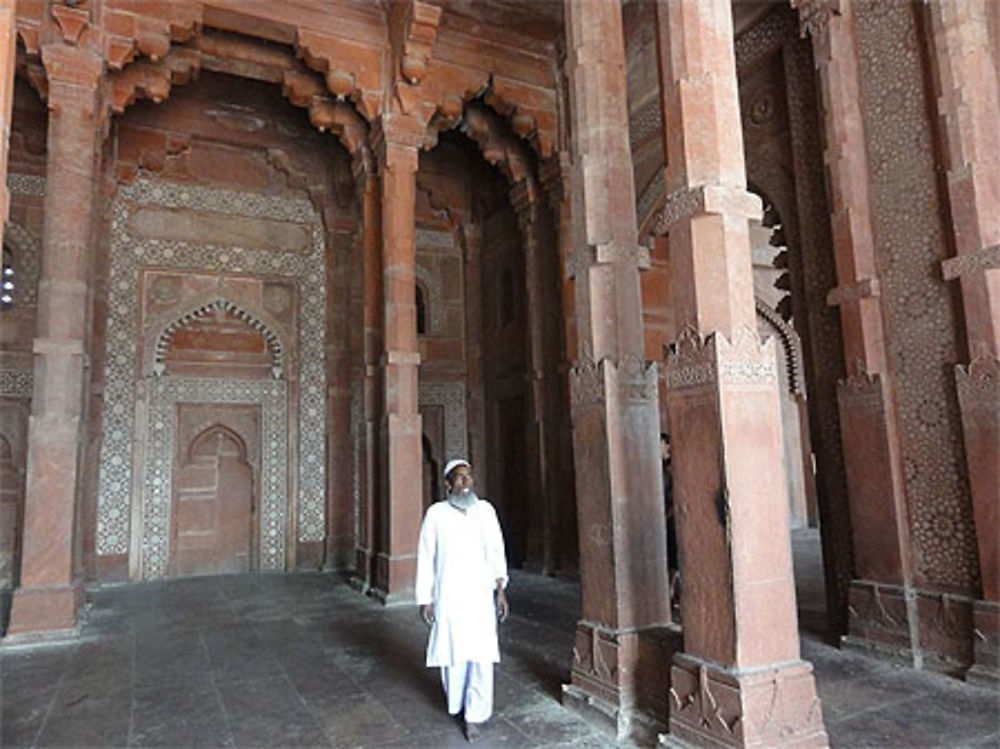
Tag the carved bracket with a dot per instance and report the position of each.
(353, 71)
(153, 80)
(419, 22)
(988, 258)
(815, 15)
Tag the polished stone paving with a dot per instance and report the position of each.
(305, 661)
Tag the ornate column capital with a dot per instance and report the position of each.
(396, 140)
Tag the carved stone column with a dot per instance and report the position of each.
(623, 567)
(51, 588)
(526, 201)
(554, 176)
(472, 245)
(366, 177)
(969, 103)
(740, 681)
(395, 141)
(8, 50)
(868, 418)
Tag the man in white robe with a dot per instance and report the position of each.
(460, 564)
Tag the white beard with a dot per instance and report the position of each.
(463, 500)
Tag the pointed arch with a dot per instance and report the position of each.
(212, 430)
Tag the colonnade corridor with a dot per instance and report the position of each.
(303, 660)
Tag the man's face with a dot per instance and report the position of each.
(461, 480)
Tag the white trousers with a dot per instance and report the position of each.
(469, 686)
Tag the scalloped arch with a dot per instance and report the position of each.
(271, 339)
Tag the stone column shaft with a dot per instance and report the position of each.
(472, 240)
(969, 104)
(740, 676)
(615, 423)
(51, 589)
(8, 64)
(397, 140)
(371, 217)
(526, 199)
(869, 421)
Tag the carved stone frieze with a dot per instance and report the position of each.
(689, 362)
(717, 361)
(716, 199)
(633, 379)
(861, 390)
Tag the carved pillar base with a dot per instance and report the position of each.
(394, 576)
(619, 677)
(979, 400)
(44, 613)
(712, 706)
(985, 669)
(910, 626)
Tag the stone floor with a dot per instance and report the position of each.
(303, 660)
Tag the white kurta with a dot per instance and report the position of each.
(459, 559)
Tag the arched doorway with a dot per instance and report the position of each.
(214, 506)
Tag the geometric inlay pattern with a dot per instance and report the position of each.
(921, 310)
(451, 396)
(16, 383)
(129, 255)
(164, 395)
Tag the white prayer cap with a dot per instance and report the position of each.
(453, 464)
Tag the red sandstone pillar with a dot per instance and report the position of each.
(51, 589)
(526, 200)
(370, 198)
(969, 104)
(8, 64)
(740, 681)
(396, 140)
(623, 570)
(869, 424)
(554, 175)
(472, 242)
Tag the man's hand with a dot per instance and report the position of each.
(427, 613)
(503, 609)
